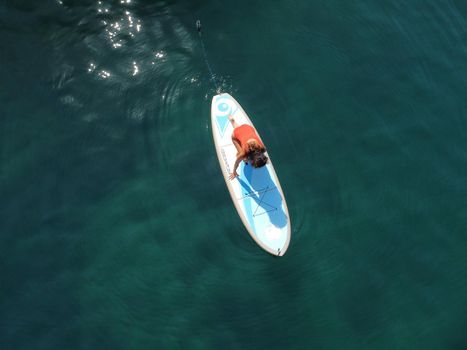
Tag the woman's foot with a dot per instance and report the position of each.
(232, 120)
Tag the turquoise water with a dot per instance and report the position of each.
(117, 231)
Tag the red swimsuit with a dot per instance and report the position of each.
(245, 132)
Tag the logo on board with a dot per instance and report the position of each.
(224, 108)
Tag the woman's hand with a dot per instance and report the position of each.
(240, 156)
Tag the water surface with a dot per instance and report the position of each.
(117, 231)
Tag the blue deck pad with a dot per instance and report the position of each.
(263, 205)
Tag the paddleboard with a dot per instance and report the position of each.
(256, 192)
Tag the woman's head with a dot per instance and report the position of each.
(257, 157)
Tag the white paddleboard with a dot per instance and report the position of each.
(256, 192)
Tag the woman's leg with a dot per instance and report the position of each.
(234, 140)
(232, 120)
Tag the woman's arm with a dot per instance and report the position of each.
(240, 156)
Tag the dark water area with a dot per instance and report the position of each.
(117, 230)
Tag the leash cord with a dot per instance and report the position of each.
(205, 56)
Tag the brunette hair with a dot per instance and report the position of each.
(257, 157)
